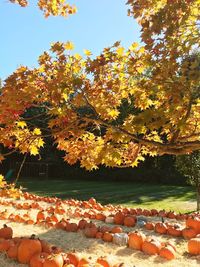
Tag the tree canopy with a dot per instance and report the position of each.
(118, 107)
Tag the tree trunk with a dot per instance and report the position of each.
(198, 195)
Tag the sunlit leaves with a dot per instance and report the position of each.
(51, 7)
(119, 106)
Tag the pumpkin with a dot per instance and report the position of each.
(151, 246)
(119, 218)
(100, 217)
(73, 258)
(188, 233)
(38, 259)
(104, 261)
(27, 248)
(5, 244)
(175, 230)
(90, 232)
(82, 224)
(107, 237)
(167, 252)
(116, 229)
(161, 228)
(84, 262)
(6, 232)
(54, 260)
(99, 235)
(130, 221)
(120, 239)
(149, 226)
(105, 228)
(135, 240)
(12, 252)
(194, 222)
(194, 246)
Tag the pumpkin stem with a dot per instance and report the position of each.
(33, 236)
(5, 226)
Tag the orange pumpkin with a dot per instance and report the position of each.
(82, 224)
(161, 228)
(5, 244)
(73, 258)
(116, 229)
(151, 246)
(54, 260)
(83, 262)
(135, 240)
(175, 230)
(149, 226)
(38, 259)
(12, 252)
(90, 232)
(104, 261)
(6, 232)
(130, 221)
(119, 218)
(194, 246)
(107, 237)
(167, 252)
(27, 248)
(188, 233)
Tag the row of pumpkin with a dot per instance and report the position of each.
(39, 253)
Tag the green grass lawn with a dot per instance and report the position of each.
(178, 198)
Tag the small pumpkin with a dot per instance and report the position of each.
(188, 233)
(167, 252)
(107, 237)
(38, 259)
(161, 228)
(119, 218)
(73, 258)
(6, 232)
(90, 232)
(130, 221)
(151, 246)
(104, 261)
(54, 260)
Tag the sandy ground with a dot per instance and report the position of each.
(94, 248)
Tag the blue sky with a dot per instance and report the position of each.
(25, 33)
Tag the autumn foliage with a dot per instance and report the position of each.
(118, 107)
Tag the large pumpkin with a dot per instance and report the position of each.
(194, 246)
(27, 248)
(136, 239)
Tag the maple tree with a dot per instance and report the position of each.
(118, 107)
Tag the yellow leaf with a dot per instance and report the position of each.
(37, 131)
(120, 51)
(113, 113)
(69, 46)
(87, 52)
(34, 150)
(133, 46)
(21, 124)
